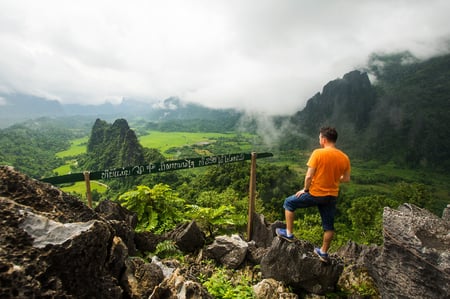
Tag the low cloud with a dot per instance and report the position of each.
(256, 55)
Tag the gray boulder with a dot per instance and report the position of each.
(41, 257)
(270, 288)
(228, 250)
(295, 264)
(188, 237)
(415, 258)
(147, 241)
(177, 286)
(121, 220)
(140, 278)
(111, 210)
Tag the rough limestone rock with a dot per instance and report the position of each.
(262, 235)
(177, 286)
(113, 211)
(140, 278)
(228, 250)
(146, 241)
(295, 264)
(446, 213)
(415, 259)
(117, 257)
(270, 288)
(255, 254)
(121, 220)
(41, 257)
(51, 244)
(187, 236)
(356, 280)
(43, 198)
(353, 253)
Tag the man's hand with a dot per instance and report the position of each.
(299, 193)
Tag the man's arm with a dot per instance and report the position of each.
(308, 179)
(345, 178)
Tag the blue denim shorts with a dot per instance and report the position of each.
(325, 204)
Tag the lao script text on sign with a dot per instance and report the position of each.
(156, 167)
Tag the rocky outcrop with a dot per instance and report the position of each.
(345, 102)
(295, 264)
(177, 286)
(228, 250)
(415, 259)
(140, 277)
(54, 246)
(188, 237)
(51, 244)
(270, 288)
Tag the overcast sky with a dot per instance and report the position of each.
(262, 55)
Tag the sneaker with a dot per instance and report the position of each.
(322, 256)
(281, 232)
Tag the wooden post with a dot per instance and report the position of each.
(88, 188)
(252, 193)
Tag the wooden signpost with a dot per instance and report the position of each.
(252, 195)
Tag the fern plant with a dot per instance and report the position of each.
(158, 209)
(223, 285)
(212, 219)
(218, 212)
(167, 248)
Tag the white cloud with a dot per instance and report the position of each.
(262, 55)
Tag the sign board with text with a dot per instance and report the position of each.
(155, 167)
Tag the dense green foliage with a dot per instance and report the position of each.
(413, 107)
(222, 284)
(31, 147)
(158, 209)
(218, 213)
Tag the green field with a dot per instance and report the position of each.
(80, 188)
(62, 170)
(77, 147)
(166, 140)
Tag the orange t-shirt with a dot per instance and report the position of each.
(330, 164)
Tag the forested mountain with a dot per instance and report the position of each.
(403, 116)
(112, 146)
(31, 146)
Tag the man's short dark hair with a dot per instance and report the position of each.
(329, 133)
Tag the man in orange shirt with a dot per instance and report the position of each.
(327, 168)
